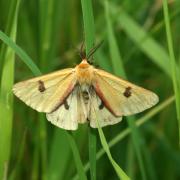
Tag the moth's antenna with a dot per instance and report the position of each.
(93, 50)
(82, 53)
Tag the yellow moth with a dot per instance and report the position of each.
(77, 95)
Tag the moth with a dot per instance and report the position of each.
(81, 94)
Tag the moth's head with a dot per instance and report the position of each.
(84, 64)
(84, 72)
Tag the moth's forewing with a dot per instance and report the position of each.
(46, 93)
(122, 98)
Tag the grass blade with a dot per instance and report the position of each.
(147, 44)
(88, 20)
(57, 168)
(119, 171)
(92, 152)
(10, 22)
(14, 174)
(21, 53)
(121, 174)
(89, 31)
(77, 158)
(6, 98)
(119, 70)
(176, 84)
(116, 59)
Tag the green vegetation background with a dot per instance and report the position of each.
(135, 46)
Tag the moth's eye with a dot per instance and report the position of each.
(127, 93)
(41, 86)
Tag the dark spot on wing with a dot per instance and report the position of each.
(101, 106)
(127, 93)
(41, 86)
(66, 105)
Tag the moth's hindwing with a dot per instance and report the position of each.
(99, 112)
(76, 110)
(66, 116)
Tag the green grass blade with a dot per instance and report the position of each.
(89, 31)
(59, 147)
(176, 84)
(119, 70)
(35, 164)
(116, 59)
(138, 149)
(130, 159)
(77, 158)
(15, 172)
(121, 174)
(43, 144)
(21, 53)
(7, 31)
(147, 44)
(88, 20)
(92, 152)
(46, 9)
(6, 99)
(149, 160)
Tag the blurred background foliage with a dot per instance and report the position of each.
(50, 33)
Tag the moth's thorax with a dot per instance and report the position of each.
(84, 72)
